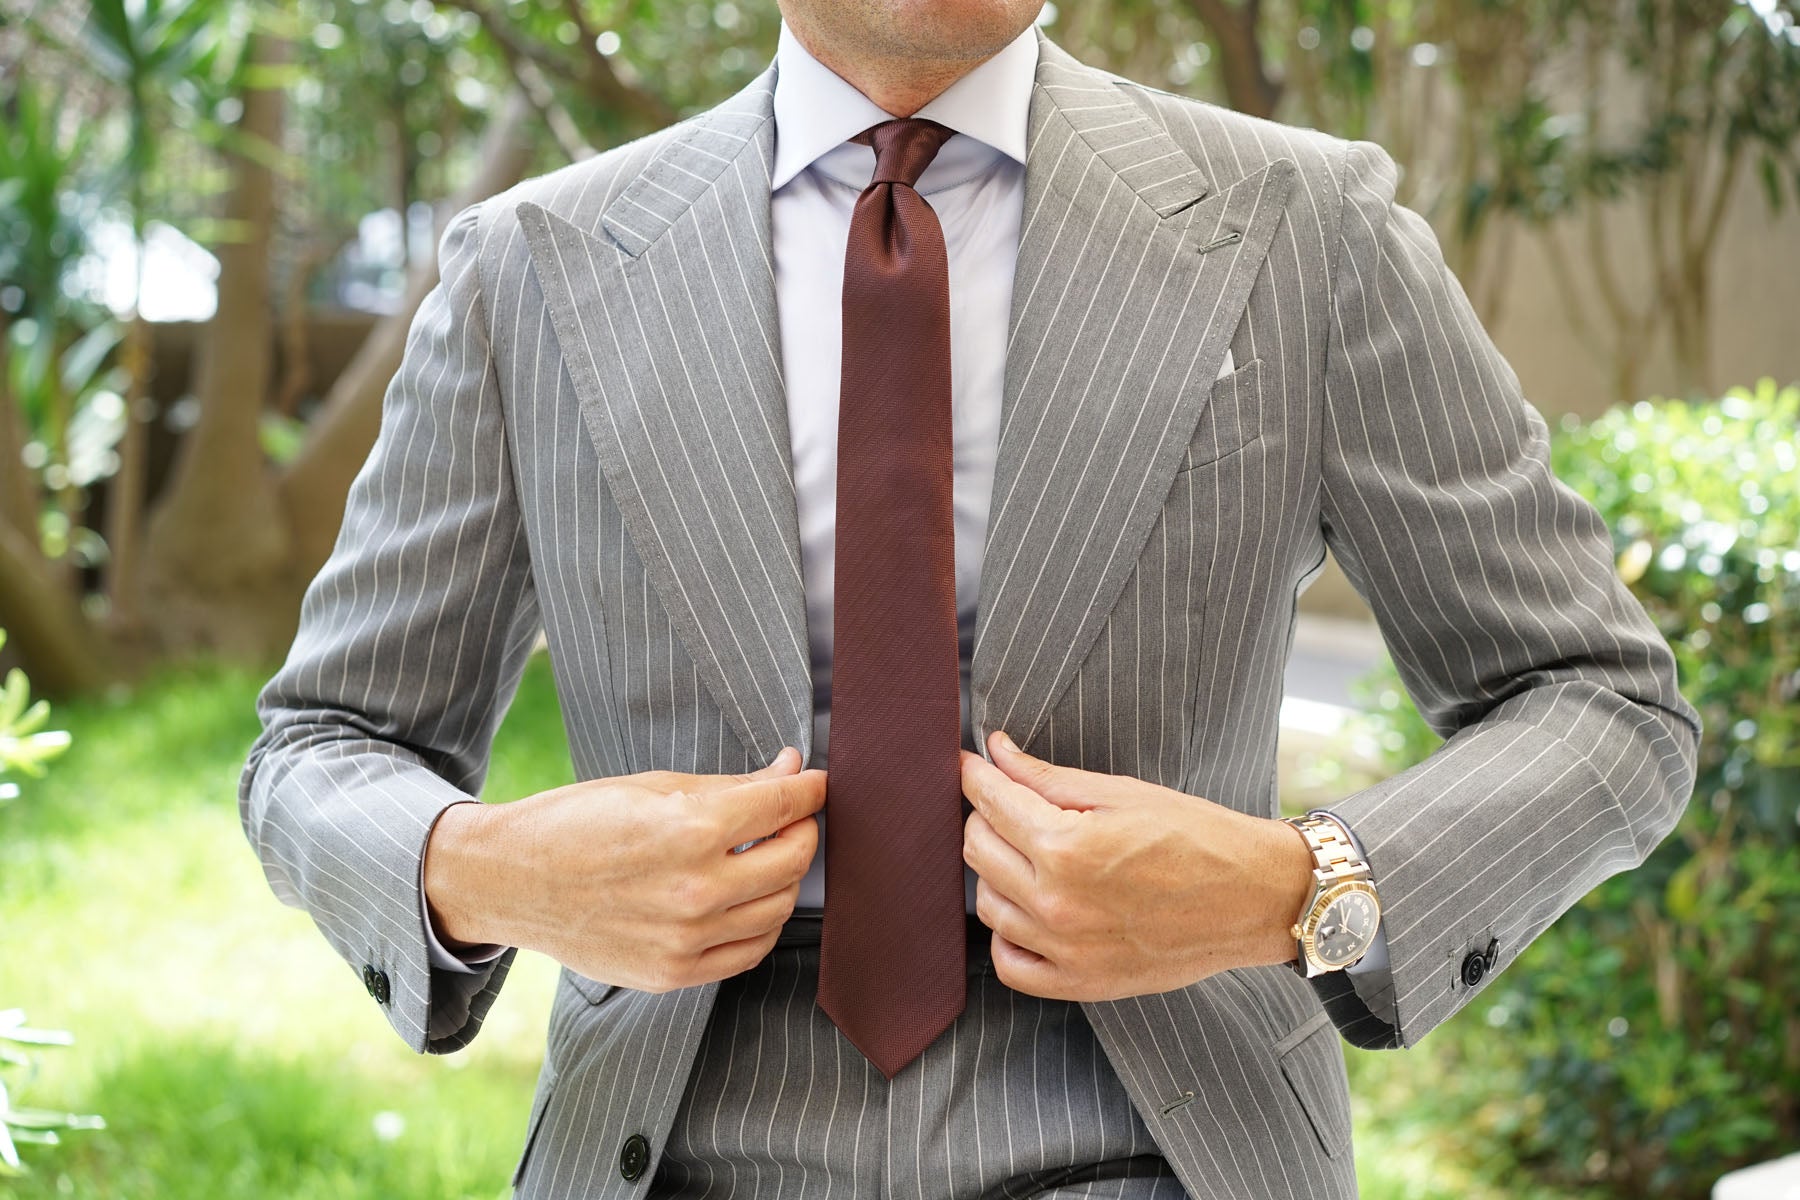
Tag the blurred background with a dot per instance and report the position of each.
(217, 218)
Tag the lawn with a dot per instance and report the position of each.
(233, 1054)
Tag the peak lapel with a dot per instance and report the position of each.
(1133, 271)
(667, 323)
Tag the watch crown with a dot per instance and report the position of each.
(1294, 932)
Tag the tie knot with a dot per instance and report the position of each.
(904, 147)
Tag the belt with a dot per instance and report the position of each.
(803, 926)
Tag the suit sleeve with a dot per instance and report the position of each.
(411, 642)
(1569, 751)
(1370, 975)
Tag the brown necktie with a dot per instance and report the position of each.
(892, 954)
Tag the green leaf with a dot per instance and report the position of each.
(44, 1118)
(13, 698)
(42, 1137)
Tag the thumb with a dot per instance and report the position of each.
(1065, 787)
(783, 763)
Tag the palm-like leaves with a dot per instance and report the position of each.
(25, 746)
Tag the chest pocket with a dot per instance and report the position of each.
(1232, 418)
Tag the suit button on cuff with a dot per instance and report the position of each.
(376, 982)
(634, 1156)
(1474, 967)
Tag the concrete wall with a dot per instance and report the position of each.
(1755, 307)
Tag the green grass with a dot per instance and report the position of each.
(234, 1055)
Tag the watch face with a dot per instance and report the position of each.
(1346, 928)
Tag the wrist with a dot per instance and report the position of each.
(458, 875)
(1287, 880)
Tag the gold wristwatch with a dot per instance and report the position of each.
(1337, 922)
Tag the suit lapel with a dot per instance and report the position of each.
(1133, 271)
(671, 344)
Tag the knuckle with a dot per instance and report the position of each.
(692, 894)
(760, 948)
(699, 822)
(1055, 851)
(984, 907)
(790, 802)
(800, 860)
(1055, 912)
(1007, 973)
(688, 940)
(707, 895)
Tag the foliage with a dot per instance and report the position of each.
(25, 746)
(1651, 1040)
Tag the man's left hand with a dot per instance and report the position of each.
(1102, 886)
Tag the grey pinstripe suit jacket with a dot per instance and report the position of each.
(587, 436)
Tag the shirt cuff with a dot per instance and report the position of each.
(465, 963)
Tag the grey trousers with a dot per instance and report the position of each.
(1015, 1099)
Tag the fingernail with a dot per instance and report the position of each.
(1008, 742)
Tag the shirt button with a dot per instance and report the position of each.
(634, 1156)
(368, 978)
(1474, 967)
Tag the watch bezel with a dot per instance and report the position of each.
(1327, 896)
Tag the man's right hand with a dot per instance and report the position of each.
(632, 879)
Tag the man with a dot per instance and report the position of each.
(939, 387)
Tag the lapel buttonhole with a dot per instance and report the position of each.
(1225, 239)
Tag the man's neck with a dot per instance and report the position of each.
(898, 86)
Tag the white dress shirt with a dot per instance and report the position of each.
(976, 186)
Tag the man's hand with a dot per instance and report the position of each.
(1103, 886)
(632, 879)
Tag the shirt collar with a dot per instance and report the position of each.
(817, 110)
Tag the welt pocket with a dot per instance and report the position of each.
(1312, 1064)
(1231, 419)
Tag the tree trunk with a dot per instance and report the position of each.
(1242, 67)
(218, 552)
(315, 484)
(18, 498)
(59, 650)
(125, 491)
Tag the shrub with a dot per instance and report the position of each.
(1650, 1040)
(25, 746)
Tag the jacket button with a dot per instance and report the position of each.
(634, 1156)
(376, 982)
(1474, 968)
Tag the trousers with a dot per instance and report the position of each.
(1015, 1099)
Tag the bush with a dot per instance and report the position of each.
(25, 746)
(1650, 1040)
